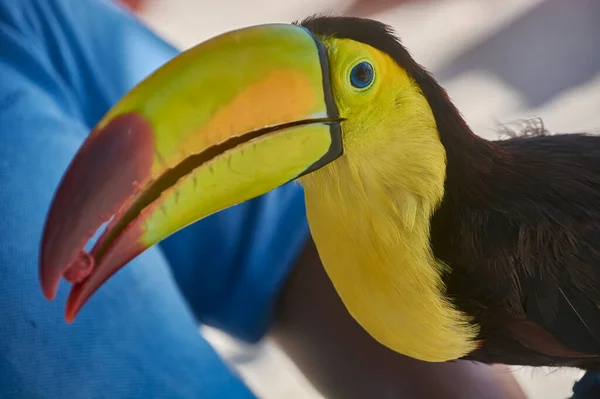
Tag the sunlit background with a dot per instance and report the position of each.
(501, 61)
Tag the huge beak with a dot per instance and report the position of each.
(224, 122)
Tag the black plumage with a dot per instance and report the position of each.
(519, 226)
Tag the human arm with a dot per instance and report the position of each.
(343, 361)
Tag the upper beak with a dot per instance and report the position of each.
(224, 122)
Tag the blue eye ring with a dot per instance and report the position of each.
(362, 75)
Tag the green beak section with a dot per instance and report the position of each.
(224, 122)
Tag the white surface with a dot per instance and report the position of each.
(434, 33)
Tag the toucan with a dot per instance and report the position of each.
(441, 244)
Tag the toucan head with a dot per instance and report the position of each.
(231, 119)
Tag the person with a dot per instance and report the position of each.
(249, 270)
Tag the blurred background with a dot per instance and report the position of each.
(500, 60)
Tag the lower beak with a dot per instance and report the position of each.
(224, 122)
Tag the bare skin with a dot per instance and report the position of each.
(343, 361)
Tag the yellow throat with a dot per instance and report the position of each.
(376, 252)
(369, 214)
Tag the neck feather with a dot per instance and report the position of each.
(371, 227)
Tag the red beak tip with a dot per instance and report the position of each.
(91, 191)
(49, 289)
(71, 311)
(69, 317)
(75, 302)
(49, 295)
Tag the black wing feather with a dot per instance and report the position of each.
(523, 241)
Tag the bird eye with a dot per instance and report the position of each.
(361, 75)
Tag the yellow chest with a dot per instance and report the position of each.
(387, 277)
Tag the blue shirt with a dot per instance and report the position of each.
(63, 63)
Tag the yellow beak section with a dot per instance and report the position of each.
(224, 122)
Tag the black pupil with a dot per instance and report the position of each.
(362, 74)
